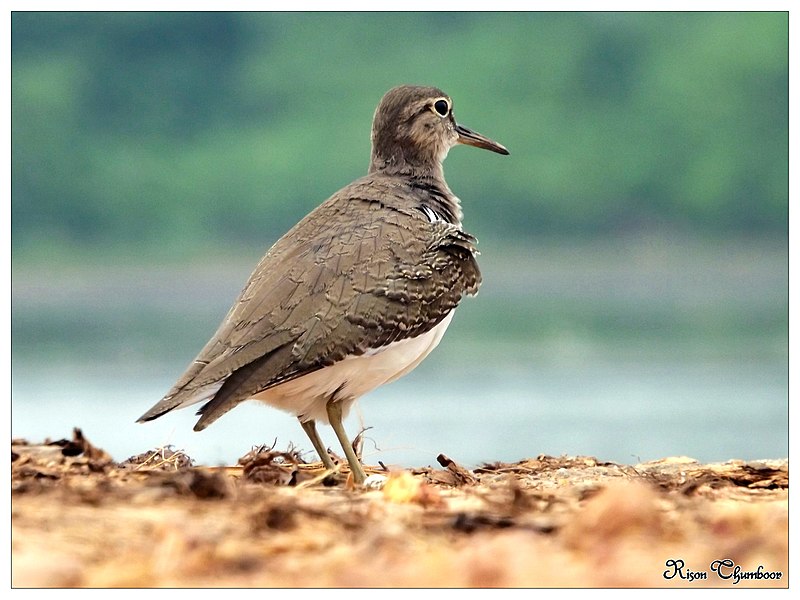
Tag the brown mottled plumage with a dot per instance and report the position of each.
(373, 273)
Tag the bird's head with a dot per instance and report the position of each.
(414, 128)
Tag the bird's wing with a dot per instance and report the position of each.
(352, 276)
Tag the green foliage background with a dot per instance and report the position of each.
(173, 132)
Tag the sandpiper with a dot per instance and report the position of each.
(357, 293)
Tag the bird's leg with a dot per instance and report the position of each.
(311, 431)
(335, 416)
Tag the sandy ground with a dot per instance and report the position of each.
(155, 520)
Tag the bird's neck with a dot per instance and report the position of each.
(428, 187)
(404, 160)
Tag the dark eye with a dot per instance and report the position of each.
(441, 107)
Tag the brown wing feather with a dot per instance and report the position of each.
(353, 275)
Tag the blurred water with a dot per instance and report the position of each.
(622, 359)
(623, 413)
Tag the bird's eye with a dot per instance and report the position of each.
(441, 107)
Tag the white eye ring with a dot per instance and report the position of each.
(441, 107)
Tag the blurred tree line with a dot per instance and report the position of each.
(175, 131)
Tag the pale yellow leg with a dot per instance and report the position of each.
(335, 416)
(311, 431)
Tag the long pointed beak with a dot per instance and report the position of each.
(473, 138)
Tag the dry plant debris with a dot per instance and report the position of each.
(157, 520)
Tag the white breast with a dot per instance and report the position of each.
(353, 376)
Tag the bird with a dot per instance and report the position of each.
(357, 293)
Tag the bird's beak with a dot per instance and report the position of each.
(472, 138)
